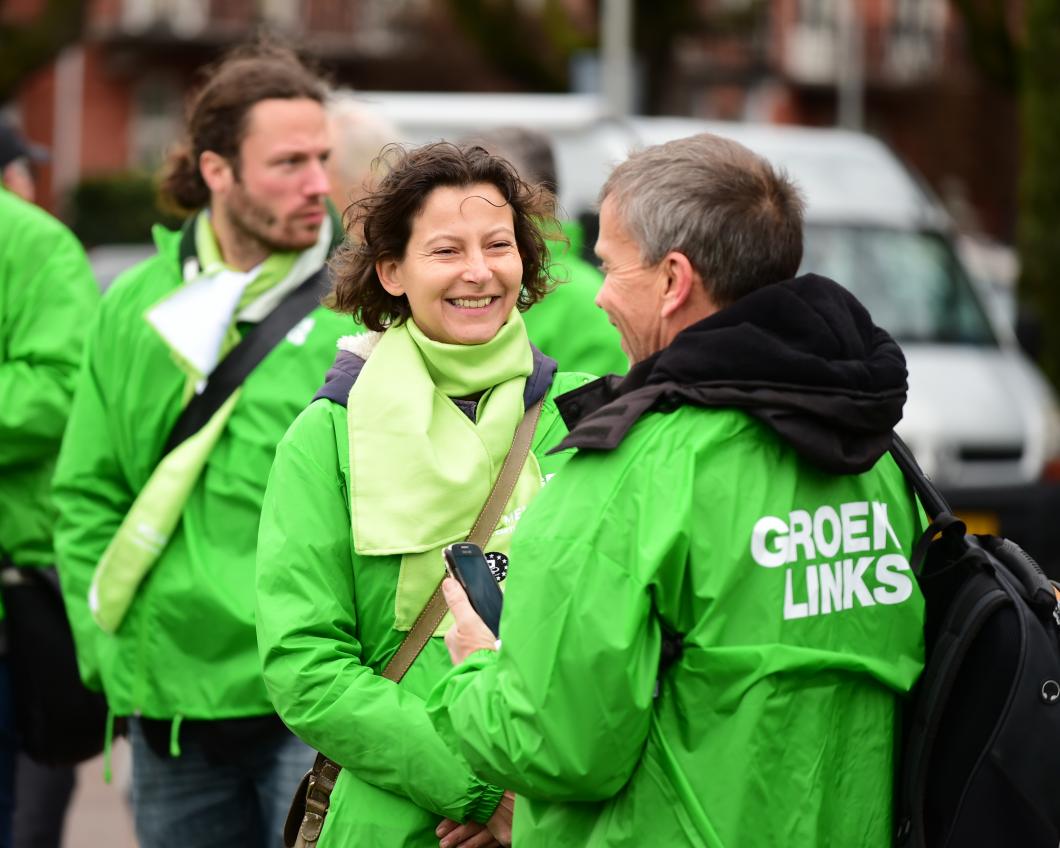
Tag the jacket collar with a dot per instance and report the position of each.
(348, 363)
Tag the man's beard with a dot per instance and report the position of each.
(255, 223)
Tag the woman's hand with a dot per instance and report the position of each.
(452, 834)
(500, 823)
(497, 831)
(468, 633)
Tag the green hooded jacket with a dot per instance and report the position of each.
(326, 630)
(790, 586)
(187, 646)
(738, 749)
(566, 324)
(47, 298)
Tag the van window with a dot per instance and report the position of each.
(911, 282)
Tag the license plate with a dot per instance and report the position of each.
(986, 523)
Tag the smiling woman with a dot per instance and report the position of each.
(434, 193)
(392, 463)
(461, 272)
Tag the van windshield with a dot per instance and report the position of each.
(911, 283)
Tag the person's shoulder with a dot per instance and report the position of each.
(568, 381)
(18, 213)
(664, 433)
(316, 428)
(562, 382)
(575, 271)
(24, 224)
(316, 444)
(147, 281)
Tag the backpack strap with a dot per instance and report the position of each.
(946, 524)
(313, 796)
(938, 509)
(934, 503)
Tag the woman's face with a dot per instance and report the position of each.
(462, 271)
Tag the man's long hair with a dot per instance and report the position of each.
(217, 118)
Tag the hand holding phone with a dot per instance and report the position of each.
(467, 565)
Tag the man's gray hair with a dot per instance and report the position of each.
(736, 217)
(361, 132)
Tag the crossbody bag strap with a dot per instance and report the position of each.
(244, 358)
(433, 613)
(317, 785)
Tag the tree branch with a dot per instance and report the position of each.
(990, 40)
(28, 47)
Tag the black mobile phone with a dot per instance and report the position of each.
(467, 565)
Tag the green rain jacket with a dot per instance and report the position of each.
(326, 619)
(47, 298)
(187, 646)
(566, 324)
(789, 585)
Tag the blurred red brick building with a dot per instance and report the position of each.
(904, 64)
(899, 68)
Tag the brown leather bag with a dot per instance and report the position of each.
(309, 808)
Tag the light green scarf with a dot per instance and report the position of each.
(420, 469)
(147, 527)
(269, 273)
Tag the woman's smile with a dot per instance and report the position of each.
(474, 303)
(462, 271)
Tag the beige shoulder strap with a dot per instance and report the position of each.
(431, 616)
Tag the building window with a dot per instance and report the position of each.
(913, 48)
(810, 44)
(156, 121)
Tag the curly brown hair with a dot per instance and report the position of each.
(384, 221)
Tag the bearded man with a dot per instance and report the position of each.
(156, 536)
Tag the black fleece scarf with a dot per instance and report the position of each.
(802, 355)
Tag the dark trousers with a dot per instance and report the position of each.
(8, 752)
(42, 797)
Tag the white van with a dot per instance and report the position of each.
(981, 418)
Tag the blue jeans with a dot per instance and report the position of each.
(188, 802)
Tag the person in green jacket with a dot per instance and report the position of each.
(566, 325)
(711, 614)
(48, 296)
(156, 548)
(393, 462)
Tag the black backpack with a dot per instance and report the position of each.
(980, 751)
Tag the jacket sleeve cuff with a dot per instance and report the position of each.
(485, 798)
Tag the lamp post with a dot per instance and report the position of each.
(616, 39)
(850, 65)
